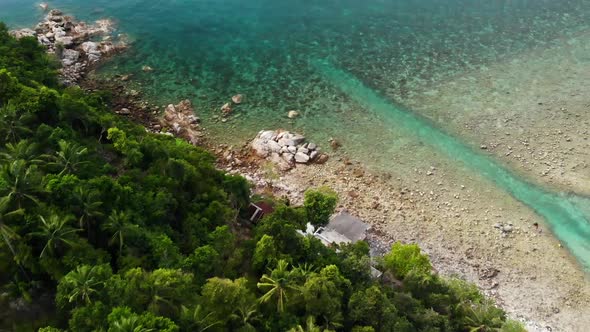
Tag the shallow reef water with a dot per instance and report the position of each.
(393, 52)
(565, 214)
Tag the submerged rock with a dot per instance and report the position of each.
(335, 144)
(237, 99)
(226, 109)
(321, 158)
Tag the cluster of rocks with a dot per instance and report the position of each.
(505, 228)
(227, 108)
(180, 120)
(286, 149)
(72, 42)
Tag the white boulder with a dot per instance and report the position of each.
(90, 47)
(291, 140)
(281, 163)
(23, 33)
(288, 157)
(237, 99)
(303, 150)
(313, 155)
(65, 41)
(301, 158)
(284, 148)
(274, 146)
(266, 134)
(260, 147)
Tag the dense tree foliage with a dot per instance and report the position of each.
(131, 231)
(319, 205)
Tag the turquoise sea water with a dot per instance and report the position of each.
(346, 65)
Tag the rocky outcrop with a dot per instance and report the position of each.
(286, 149)
(180, 120)
(73, 42)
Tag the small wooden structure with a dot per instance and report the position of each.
(258, 210)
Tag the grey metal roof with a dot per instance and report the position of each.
(351, 227)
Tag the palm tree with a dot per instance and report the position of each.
(305, 270)
(245, 315)
(481, 317)
(69, 157)
(88, 205)
(16, 288)
(22, 182)
(309, 326)
(23, 150)
(196, 319)
(56, 232)
(7, 233)
(128, 324)
(279, 284)
(83, 283)
(12, 124)
(118, 223)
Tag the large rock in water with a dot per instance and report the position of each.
(59, 33)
